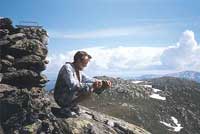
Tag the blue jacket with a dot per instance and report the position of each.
(67, 81)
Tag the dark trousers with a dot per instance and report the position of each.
(72, 99)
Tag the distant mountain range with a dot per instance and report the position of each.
(190, 75)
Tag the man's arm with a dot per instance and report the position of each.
(87, 79)
(72, 82)
(68, 76)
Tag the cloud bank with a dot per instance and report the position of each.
(185, 55)
(121, 60)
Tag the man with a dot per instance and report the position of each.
(72, 86)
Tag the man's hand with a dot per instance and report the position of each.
(106, 84)
(102, 84)
(97, 84)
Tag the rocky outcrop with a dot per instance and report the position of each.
(91, 122)
(22, 96)
(25, 106)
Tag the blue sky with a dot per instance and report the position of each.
(116, 25)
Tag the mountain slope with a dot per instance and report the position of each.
(162, 106)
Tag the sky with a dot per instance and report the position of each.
(124, 37)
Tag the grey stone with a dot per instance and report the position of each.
(21, 78)
(32, 62)
(4, 42)
(10, 58)
(17, 36)
(29, 46)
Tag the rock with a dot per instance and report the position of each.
(46, 61)
(3, 33)
(10, 58)
(28, 46)
(21, 78)
(1, 75)
(93, 122)
(4, 42)
(0, 69)
(44, 39)
(6, 63)
(34, 33)
(10, 69)
(6, 23)
(11, 101)
(5, 87)
(1, 130)
(17, 36)
(31, 62)
(18, 107)
(36, 92)
(43, 79)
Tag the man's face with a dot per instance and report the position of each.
(83, 63)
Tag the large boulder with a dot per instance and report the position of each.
(28, 46)
(32, 62)
(21, 78)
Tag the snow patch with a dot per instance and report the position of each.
(111, 123)
(155, 90)
(157, 96)
(136, 81)
(148, 86)
(124, 105)
(176, 128)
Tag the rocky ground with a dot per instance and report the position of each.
(25, 106)
(164, 105)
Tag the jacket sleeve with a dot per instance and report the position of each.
(69, 78)
(87, 82)
(87, 79)
(73, 83)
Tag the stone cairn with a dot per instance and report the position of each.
(22, 59)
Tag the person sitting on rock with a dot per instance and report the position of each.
(73, 86)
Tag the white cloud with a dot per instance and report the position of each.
(135, 60)
(108, 32)
(185, 55)
(111, 61)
